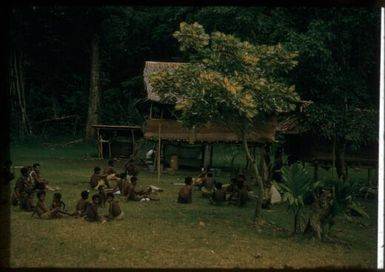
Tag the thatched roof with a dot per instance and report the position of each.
(172, 130)
(151, 67)
(290, 125)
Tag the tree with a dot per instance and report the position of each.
(230, 82)
(342, 81)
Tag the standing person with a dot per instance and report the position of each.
(185, 193)
(150, 159)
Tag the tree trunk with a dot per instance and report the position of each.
(278, 163)
(17, 92)
(94, 97)
(258, 208)
(341, 167)
(296, 217)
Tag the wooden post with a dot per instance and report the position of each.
(334, 155)
(315, 176)
(100, 147)
(370, 176)
(211, 155)
(158, 153)
(205, 159)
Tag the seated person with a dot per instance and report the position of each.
(91, 213)
(58, 204)
(232, 190)
(6, 173)
(219, 194)
(131, 169)
(19, 186)
(26, 200)
(97, 179)
(81, 205)
(39, 182)
(110, 173)
(41, 209)
(135, 192)
(121, 184)
(125, 185)
(242, 193)
(243, 179)
(114, 210)
(208, 185)
(198, 181)
(185, 193)
(102, 196)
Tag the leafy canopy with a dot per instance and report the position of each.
(227, 80)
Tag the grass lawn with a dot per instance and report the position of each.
(165, 234)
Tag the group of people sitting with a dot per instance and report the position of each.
(237, 192)
(108, 184)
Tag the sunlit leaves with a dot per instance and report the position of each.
(228, 80)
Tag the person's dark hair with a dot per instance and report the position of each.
(35, 165)
(210, 174)
(57, 196)
(240, 183)
(24, 171)
(134, 178)
(242, 176)
(111, 162)
(122, 175)
(40, 193)
(188, 180)
(97, 169)
(218, 185)
(95, 196)
(110, 195)
(84, 194)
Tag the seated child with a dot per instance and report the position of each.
(91, 213)
(97, 179)
(41, 209)
(81, 205)
(185, 193)
(114, 210)
(58, 204)
(208, 185)
(198, 181)
(135, 192)
(219, 194)
(102, 196)
(19, 195)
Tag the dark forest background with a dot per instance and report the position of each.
(70, 67)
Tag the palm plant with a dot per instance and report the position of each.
(295, 188)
